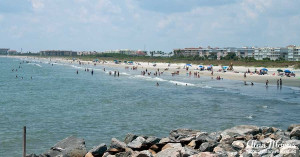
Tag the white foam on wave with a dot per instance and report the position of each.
(250, 116)
(35, 64)
(148, 78)
(123, 73)
(76, 67)
(182, 83)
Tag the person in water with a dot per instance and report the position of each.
(77, 71)
(267, 82)
(252, 84)
(157, 84)
(92, 72)
(280, 82)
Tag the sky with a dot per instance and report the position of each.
(99, 25)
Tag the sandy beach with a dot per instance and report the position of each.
(236, 74)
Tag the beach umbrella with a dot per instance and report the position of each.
(225, 67)
(287, 71)
(279, 70)
(264, 69)
(200, 66)
(188, 65)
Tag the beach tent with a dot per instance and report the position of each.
(264, 69)
(131, 62)
(279, 70)
(287, 71)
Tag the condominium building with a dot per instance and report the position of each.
(270, 53)
(4, 51)
(218, 52)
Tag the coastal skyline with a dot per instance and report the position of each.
(35, 25)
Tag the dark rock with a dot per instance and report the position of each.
(207, 146)
(151, 140)
(115, 143)
(215, 136)
(241, 130)
(129, 138)
(291, 127)
(137, 143)
(99, 150)
(203, 137)
(266, 130)
(68, 147)
(295, 132)
(183, 135)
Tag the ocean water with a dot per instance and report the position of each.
(57, 103)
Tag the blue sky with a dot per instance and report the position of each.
(101, 25)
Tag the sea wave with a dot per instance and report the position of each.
(35, 64)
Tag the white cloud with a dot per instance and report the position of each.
(37, 4)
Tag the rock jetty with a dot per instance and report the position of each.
(242, 140)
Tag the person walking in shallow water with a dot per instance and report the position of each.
(157, 84)
(267, 82)
(280, 82)
(77, 71)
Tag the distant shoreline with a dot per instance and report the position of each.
(231, 75)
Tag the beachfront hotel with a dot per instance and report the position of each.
(289, 53)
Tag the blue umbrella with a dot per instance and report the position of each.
(264, 69)
(287, 71)
(188, 65)
(225, 67)
(200, 66)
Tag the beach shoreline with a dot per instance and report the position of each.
(237, 74)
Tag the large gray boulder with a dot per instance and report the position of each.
(291, 127)
(207, 146)
(170, 152)
(129, 138)
(137, 143)
(115, 143)
(99, 150)
(241, 130)
(295, 133)
(68, 147)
